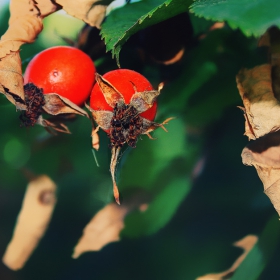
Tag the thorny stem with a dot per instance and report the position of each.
(115, 155)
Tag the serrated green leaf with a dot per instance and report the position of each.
(159, 212)
(252, 17)
(258, 257)
(126, 21)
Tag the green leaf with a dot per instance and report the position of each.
(200, 25)
(252, 17)
(126, 21)
(153, 156)
(184, 90)
(258, 257)
(159, 212)
(161, 169)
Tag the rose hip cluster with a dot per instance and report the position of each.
(122, 102)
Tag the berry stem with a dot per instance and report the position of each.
(115, 155)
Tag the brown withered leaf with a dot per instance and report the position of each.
(90, 11)
(271, 39)
(11, 81)
(32, 222)
(260, 91)
(247, 243)
(25, 24)
(104, 228)
(46, 7)
(106, 225)
(56, 104)
(264, 154)
(261, 108)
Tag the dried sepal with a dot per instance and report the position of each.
(56, 104)
(94, 132)
(111, 94)
(53, 126)
(149, 126)
(102, 118)
(95, 138)
(142, 101)
(60, 109)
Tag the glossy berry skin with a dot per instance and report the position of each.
(64, 70)
(125, 81)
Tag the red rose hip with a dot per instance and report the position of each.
(126, 82)
(64, 70)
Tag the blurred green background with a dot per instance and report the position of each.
(204, 198)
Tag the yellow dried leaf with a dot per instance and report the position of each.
(25, 24)
(260, 91)
(105, 226)
(264, 154)
(46, 7)
(261, 108)
(32, 222)
(11, 81)
(271, 39)
(90, 11)
(247, 243)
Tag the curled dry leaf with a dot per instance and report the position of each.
(106, 225)
(32, 222)
(261, 108)
(264, 154)
(46, 7)
(260, 91)
(271, 39)
(25, 24)
(247, 243)
(90, 11)
(104, 228)
(11, 81)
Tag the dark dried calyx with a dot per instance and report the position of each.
(126, 126)
(34, 100)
